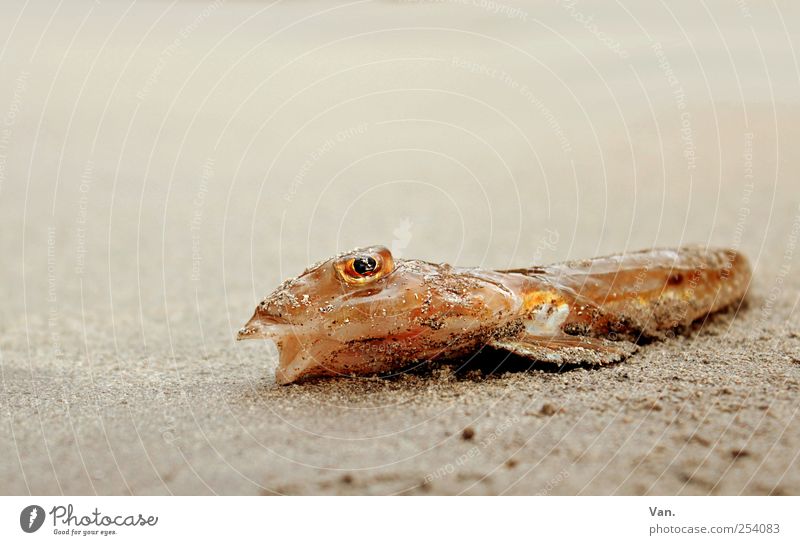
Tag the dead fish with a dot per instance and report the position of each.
(363, 312)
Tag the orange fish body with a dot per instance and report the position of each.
(362, 312)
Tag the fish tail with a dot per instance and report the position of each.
(646, 293)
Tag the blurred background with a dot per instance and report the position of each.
(163, 165)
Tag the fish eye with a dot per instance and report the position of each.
(362, 267)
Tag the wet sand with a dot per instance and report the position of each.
(162, 168)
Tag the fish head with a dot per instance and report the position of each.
(363, 312)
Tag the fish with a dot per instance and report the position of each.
(363, 312)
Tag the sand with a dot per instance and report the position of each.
(163, 167)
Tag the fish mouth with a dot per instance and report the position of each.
(294, 357)
(264, 327)
(299, 356)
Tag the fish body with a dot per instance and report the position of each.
(363, 312)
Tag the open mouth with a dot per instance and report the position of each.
(293, 361)
(264, 327)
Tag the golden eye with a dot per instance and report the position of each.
(364, 267)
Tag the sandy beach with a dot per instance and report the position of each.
(165, 165)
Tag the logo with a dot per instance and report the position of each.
(31, 518)
(67, 522)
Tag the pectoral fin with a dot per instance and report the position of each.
(567, 349)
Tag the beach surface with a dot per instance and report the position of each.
(165, 165)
